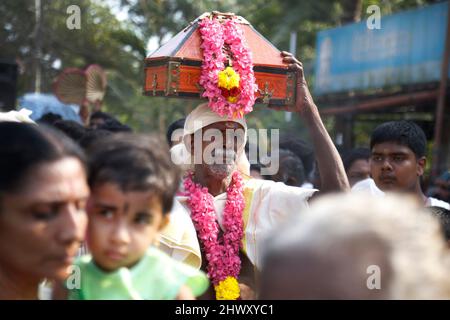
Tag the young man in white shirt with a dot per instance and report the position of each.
(398, 161)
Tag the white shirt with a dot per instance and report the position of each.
(368, 185)
(433, 202)
(270, 204)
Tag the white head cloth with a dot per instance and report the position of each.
(23, 115)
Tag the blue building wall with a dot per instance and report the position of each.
(408, 49)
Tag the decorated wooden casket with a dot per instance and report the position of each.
(175, 68)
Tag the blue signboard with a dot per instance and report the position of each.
(407, 49)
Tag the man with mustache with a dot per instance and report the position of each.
(398, 160)
(218, 166)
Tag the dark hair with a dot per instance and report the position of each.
(291, 171)
(114, 126)
(135, 163)
(72, 129)
(104, 116)
(356, 154)
(302, 150)
(440, 186)
(91, 136)
(110, 123)
(403, 132)
(24, 146)
(178, 124)
(255, 167)
(444, 218)
(49, 118)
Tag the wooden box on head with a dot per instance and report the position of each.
(174, 69)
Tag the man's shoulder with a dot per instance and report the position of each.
(433, 202)
(255, 184)
(369, 186)
(269, 186)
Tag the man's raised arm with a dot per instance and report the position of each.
(331, 168)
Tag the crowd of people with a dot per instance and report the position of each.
(99, 212)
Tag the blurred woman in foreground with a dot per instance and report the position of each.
(43, 191)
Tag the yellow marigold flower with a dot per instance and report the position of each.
(227, 289)
(228, 78)
(232, 99)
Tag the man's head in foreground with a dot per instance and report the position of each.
(357, 247)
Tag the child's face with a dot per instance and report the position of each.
(122, 225)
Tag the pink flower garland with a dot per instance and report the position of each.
(222, 254)
(214, 36)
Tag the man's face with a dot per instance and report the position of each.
(359, 170)
(219, 145)
(394, 167)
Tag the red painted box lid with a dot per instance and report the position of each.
(186, 44)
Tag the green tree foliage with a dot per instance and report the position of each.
(102, 39)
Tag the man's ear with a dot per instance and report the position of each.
(189, 143)
(165, 221)
(421, 163)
